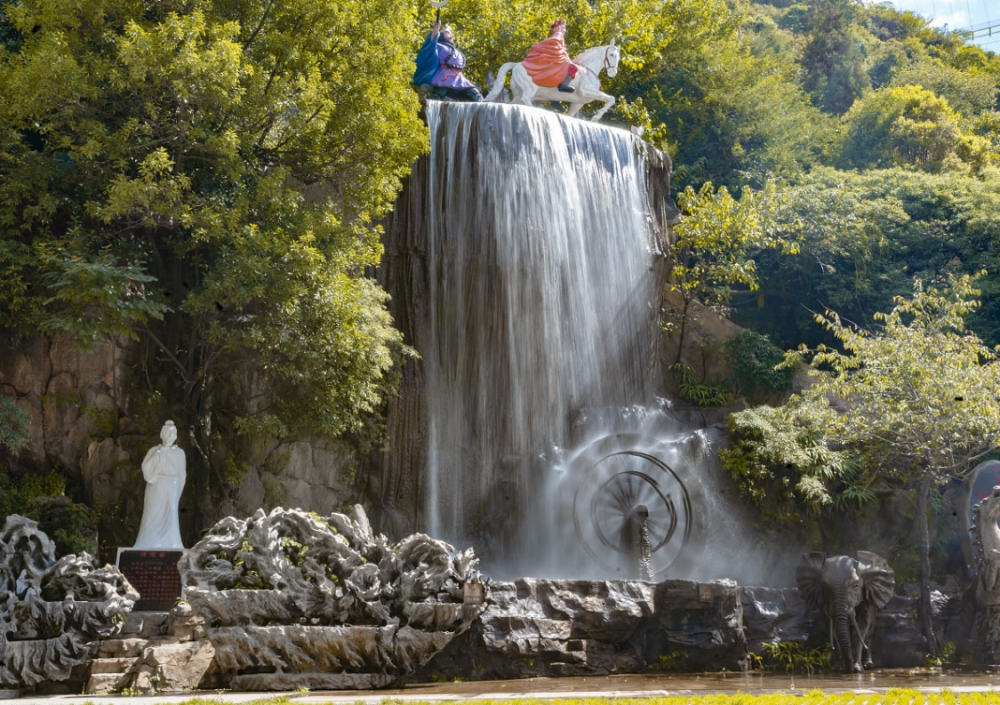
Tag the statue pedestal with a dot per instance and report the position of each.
(154, 574)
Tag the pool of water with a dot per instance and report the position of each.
(661, 685)
(579, 687)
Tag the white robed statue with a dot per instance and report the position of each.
(163, 468)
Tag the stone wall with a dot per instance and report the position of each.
(533, 627)
(72, 397)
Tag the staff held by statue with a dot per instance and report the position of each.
(438, 4)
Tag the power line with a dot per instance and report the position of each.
(983, 33)
(988, 28)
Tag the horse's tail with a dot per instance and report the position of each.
(498, 85)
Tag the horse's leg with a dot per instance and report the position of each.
(528, 95)
(574, 107)
(609, 100)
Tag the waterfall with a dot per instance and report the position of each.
(524, 264)
(541, 290)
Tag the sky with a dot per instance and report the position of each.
(960, 14)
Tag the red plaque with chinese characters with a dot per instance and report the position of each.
(154, 574)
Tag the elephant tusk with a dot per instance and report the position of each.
(861, 637)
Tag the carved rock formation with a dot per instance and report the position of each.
(52, 612)
(293, 599)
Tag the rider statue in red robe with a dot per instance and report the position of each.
(548, 62)
(440, 63)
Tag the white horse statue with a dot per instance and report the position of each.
(586, 84)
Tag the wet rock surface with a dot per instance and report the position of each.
(774, 615)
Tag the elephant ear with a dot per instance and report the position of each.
(808, 575)
(878, 578)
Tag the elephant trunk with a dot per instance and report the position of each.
(844, 618)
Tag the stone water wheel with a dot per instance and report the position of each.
(618, 491)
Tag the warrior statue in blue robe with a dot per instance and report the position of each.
(439, 66)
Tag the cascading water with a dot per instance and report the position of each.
(529, 257)
(541, 289)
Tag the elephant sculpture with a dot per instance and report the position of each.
(849, 591)
(986, 532)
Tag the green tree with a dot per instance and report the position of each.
(206, 177)
(914, 400)
(716, 242)
(906, 126)
(833, 58)
(753, 360)
(863, 237)
(730, 105)
(968, 91)
(782, 463)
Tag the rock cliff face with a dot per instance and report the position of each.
(84, 421)
(72, 398)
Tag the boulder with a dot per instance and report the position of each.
(172, 666)
(774, 615)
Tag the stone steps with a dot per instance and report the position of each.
(121, 648)
(145, 624)
(108, 675)
(111, 665)
(147, 643)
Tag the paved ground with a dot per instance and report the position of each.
(553, 688)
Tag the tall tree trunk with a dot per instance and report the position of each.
(683, 329)
(926, 623)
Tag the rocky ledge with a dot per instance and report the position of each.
(292, 599)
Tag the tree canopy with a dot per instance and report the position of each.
(207, 177)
